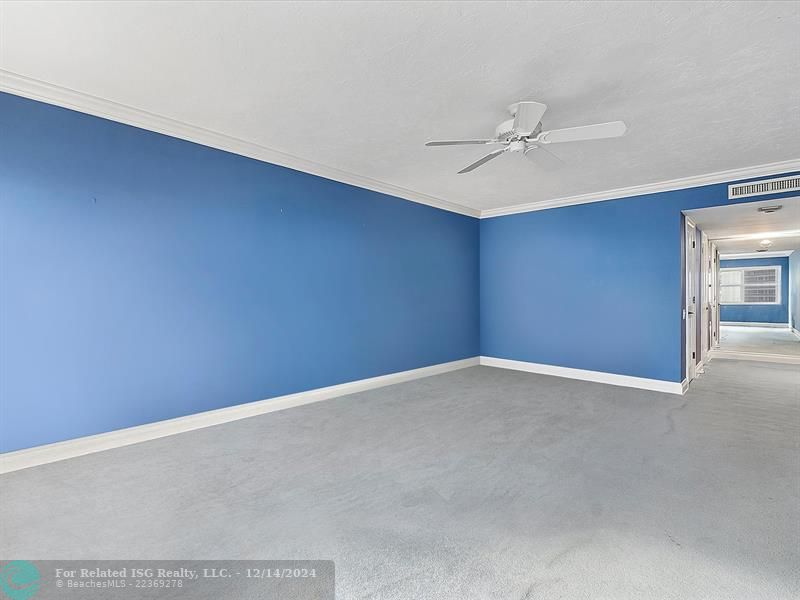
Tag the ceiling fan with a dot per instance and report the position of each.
(524, 134)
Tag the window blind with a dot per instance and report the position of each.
(750, 285)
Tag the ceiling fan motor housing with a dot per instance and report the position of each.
(505, 131)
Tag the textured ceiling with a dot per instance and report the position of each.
(740, 227)
(703, 86)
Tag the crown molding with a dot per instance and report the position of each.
(737, 255)
(20, 85)
(28, 87)
(650, 188)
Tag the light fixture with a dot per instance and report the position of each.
(766, 242)
(770, 209)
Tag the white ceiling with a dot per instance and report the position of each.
(779, 244)
(741, 227)
(360, 86)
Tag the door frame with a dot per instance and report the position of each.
(705, 295)
(714, 290)
(690, 298)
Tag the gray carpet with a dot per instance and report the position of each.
(482, 483)
(763, 340)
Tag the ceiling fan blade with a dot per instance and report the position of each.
(542, 157)
(586, 132)
(482, 160)
(460, 142)
(528, 116)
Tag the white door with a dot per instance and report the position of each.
(691, 300)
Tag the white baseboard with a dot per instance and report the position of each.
(757, 356)
(796, 332)
(656, 385)
(752, 324)
(39, 455)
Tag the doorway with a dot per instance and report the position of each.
(742, 269)
(690, 301)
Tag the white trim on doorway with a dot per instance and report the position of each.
(690, 283)
(774, 254)
(701, 366)
(705, 296)
(714, 294)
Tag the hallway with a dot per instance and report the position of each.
(763, 340)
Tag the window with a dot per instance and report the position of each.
(750, 285)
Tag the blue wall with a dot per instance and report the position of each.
(145, 277)
(594, 286)
(794, 289)
(758, 313)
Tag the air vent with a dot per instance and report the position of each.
(765, 186)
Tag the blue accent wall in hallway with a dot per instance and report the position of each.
(593, 286)
(145, 277)
(758, 313)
